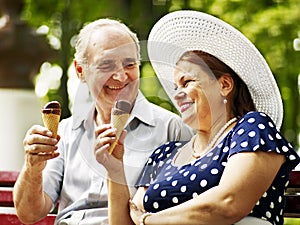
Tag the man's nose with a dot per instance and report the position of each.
(120, 75)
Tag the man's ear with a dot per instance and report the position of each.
(226, 84)
(79, 71)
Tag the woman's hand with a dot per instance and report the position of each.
(105, 136)
(39, 146)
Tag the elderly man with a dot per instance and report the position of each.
(65, 169)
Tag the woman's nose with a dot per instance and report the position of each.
(179, 94)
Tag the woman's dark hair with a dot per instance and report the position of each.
(240, 98)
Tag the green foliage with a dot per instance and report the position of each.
(271, 25)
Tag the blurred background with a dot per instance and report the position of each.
(37, 40)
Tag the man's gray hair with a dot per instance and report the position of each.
(85, 34)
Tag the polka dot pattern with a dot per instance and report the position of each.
(170, 185)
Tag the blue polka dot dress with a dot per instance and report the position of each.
(169, 185)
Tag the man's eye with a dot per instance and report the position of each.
(130, 65)
(106, 67)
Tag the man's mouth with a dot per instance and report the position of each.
(113, 87)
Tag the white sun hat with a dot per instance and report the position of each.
(185, 30)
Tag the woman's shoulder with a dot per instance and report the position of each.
(166, 150)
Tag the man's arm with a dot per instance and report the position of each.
(31, 203)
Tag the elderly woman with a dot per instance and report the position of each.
(236, 167)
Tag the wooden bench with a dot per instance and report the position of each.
(7, 211)
(8, 178)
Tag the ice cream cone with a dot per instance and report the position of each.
(51, 116)
(51, 121)
(119, 117)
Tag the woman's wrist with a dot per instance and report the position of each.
(143, 218)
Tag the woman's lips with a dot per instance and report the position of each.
(185, 106)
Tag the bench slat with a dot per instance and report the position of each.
(12, 219)
(6, 198)
(8, 178)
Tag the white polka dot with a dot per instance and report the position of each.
(251, 120)
(265, 195)
(225, 149)
(163, 193)
(224, 164)
(155, 186)
(271, 124)
(169, 178)
(167, 174)
(183, 188)
(193, 177)
(149, 160)
(157, 151)
(169, 161)
(175, 200)
(268, 214)
(214, 171)
(257, 203)
(233, 144)
(252, 134)
(263, 114)
(216, 157)
(277, 218)
(203, 183)
(285, 149)
(186, 173)
(244, 144)
(292, 157)
(155, 205)
(270, 137)
(287, 183)
(261, 126)
(203, 166)
(278, 136)
(181, 171)
(167, 149)
(146, 198)
(272, 205)
(195, 195)
(178, 144)
(240, 131)
(198, 163)
(168, 167)
(209, 154)
(174, 183)
(161, 163)
(280, 199)
(255, 147)
(262, 142)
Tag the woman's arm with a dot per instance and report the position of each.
(118, 192)
(232, 199)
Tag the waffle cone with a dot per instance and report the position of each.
(118, 122)
(51, 121)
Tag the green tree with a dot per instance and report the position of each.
(270, 24)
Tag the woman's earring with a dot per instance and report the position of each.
(225, 101)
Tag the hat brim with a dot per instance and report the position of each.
(185, 30)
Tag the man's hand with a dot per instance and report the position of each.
(39, 146)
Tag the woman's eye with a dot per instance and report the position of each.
(186, 83)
